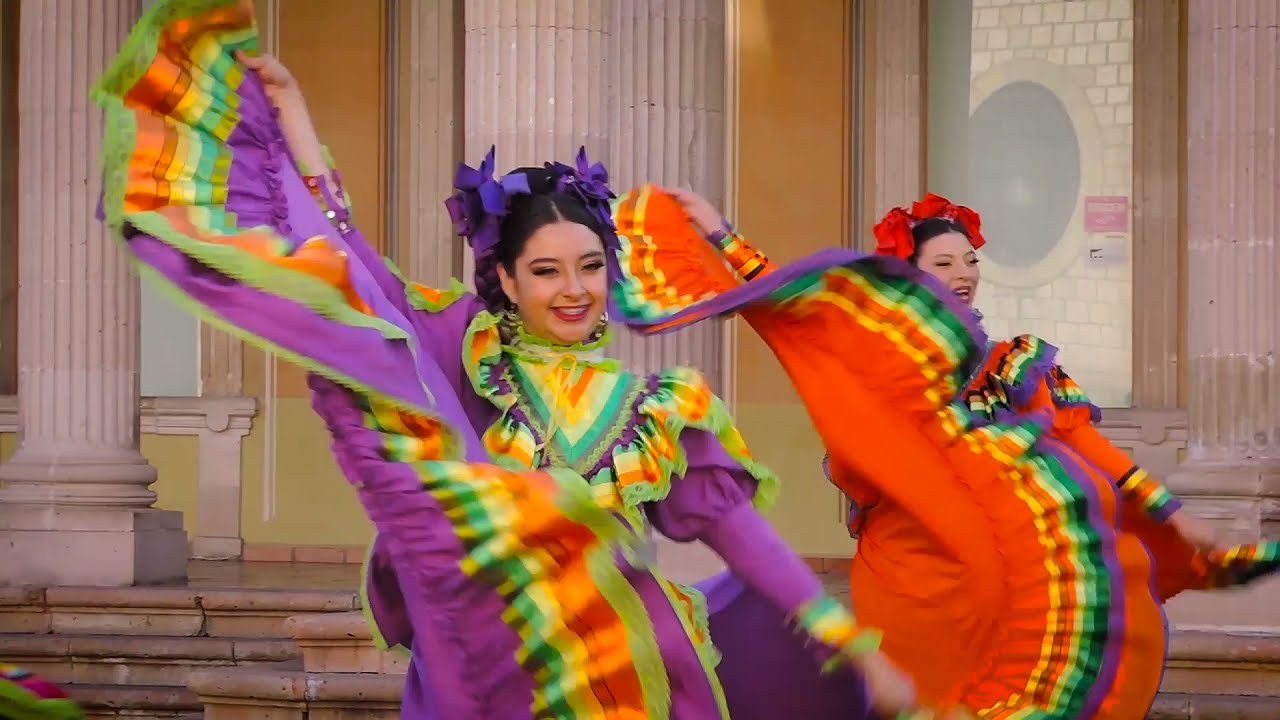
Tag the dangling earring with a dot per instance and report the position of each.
(602, 327)
(510, 322)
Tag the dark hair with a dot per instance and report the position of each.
(526, 214)
(930, 228)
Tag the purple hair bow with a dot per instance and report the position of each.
(590, 183)
(481, 201)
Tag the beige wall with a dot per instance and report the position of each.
(793, 195)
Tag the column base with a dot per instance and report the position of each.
(60, 545)
(1242, 499)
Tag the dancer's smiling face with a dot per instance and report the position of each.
(944, 251)
(551, 262)
(558, 282)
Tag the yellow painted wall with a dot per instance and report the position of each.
(175, 458)
(793, 196)
(336, 49)
(314, 504)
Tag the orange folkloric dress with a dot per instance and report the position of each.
(1015, 559)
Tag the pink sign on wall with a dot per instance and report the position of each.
(1106, 214)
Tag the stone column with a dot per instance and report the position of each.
(667, 74)
(534, 79)
(429, 110)
(1233, 280)
(75, 506)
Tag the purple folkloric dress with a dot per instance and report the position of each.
(510, 482)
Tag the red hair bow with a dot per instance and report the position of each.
(893, 232)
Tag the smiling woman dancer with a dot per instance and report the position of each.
(509, 468)
(1016, 560)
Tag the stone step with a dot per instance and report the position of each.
(1176, 706)
(112, 701)
(341, 643)
(1217, 673)
(258, 694)
(1224, 661)
(138, 659)
(178, 612)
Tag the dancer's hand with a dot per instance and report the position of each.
(1196, 532)
(892, 692)
(276, 79)
(704, 216)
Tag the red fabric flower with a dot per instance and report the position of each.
(893, 233)
(933, 205)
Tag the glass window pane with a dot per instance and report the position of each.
(170, 361)
(1030, 121)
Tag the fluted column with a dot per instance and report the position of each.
(534, 82)
(429, 141)
(1233, 283)
(76, 503)
(667, 75)
(895, 150)
(536, 74)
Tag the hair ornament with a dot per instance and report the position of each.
(893, 232)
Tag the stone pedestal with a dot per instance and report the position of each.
(1231, 474)
(75, 503)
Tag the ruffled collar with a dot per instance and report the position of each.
(523, 345)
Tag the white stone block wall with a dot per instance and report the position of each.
(1085, 308)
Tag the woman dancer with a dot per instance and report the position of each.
(1016, 561)
(514, 585)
